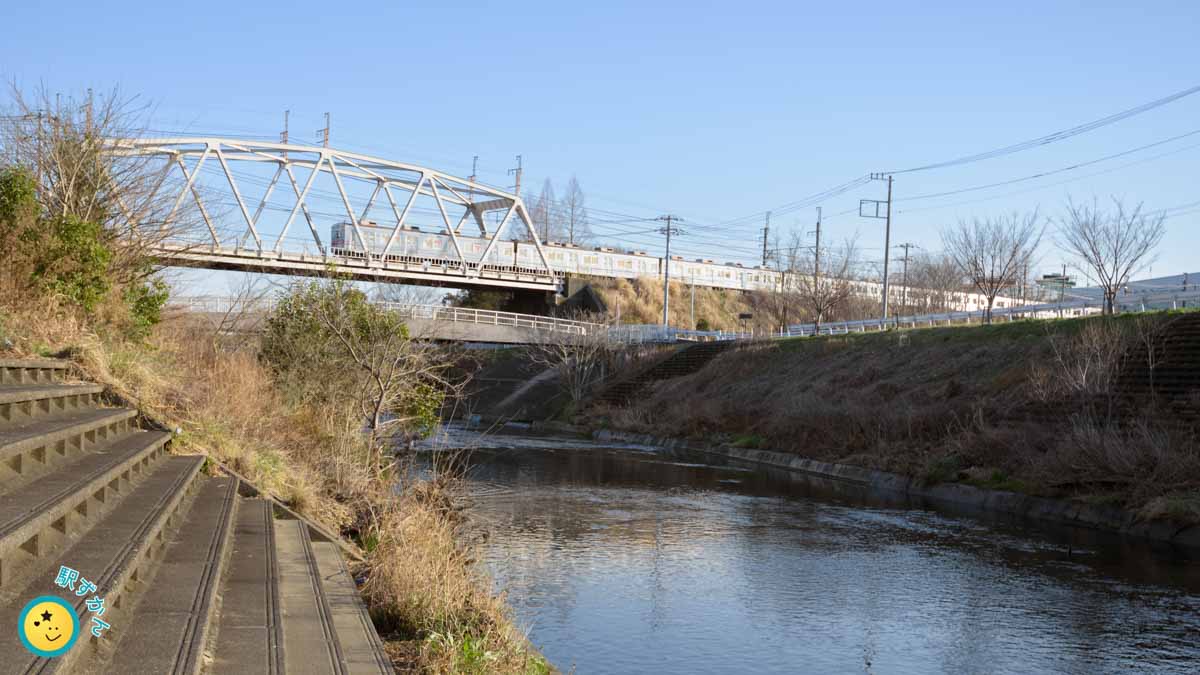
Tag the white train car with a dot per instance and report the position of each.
(414, 246)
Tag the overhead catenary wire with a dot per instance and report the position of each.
(1053, 137)
(734, 243)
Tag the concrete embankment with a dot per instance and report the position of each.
(1062, 511)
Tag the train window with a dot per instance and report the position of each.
(590, 259)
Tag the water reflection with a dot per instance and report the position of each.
(635, 560)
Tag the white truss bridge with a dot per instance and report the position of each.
(243, 203)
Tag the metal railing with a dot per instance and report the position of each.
(655, 333)
(1183, 297)
(227, 305)
(492, 318)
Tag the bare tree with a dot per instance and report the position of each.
(574, 213)
(70, 148)
(823, 279)
(781, 303)
(545, 212)
(992, 253)
(1115, 245)
(581, 360)
(933, 282)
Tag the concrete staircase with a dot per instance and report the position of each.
(198, 574)
(1174, 384)
(684, 361)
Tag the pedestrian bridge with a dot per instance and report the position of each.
(424, 322)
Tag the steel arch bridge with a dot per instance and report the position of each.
(418, 238)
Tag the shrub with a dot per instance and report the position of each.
(326, 342)
(146, 302)
(71, 261)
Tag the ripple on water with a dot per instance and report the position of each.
(622, 565)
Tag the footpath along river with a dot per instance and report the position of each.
(639, 560)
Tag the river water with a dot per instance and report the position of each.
(639, 560)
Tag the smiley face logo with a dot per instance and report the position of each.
(48, 626)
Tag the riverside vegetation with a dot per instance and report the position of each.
(1033, 406)
(309, 411)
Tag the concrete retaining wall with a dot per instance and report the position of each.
(1108, 518)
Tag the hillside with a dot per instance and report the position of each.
(1037, 407)
(640, 301)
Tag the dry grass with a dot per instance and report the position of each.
(431, 599)
(424, 585)
(640, 301)
(942, 405)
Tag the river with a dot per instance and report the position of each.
(639, 560)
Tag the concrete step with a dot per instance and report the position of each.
(24, 403)
(361, 646)
(31, 449)
(37, 518)
(32, 371)
(310, 642)
(249, 634)
(115, 555)
(685, 361)
(169, 628)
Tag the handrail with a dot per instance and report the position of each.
(656, 333)
(222, 305)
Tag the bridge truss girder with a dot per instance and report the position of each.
(401, 185)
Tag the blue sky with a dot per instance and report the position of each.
(716, 112)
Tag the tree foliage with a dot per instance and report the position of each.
(324, 340)
(61, 255)
(76, 221)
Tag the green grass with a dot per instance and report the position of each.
(1181, 508)
(999, 480)
(751, 441)
(943, 469)
(973, 333)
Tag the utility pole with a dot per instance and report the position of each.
(324, 133)
(766, 231)
(1025, 283)
(668, 230)
(517, 191)
(904, 275)
(817, 255)
(1061, 290)
(693, 324)
(887, 243)
(517, 172)
(873, 212)
(283, 135)
(40, 160)
(90, 119)
(471, 187)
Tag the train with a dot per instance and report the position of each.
(416, 246)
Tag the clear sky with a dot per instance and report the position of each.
(716, 112)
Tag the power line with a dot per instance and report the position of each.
(1056, 183)
(1054, 137)
(1044, 174)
